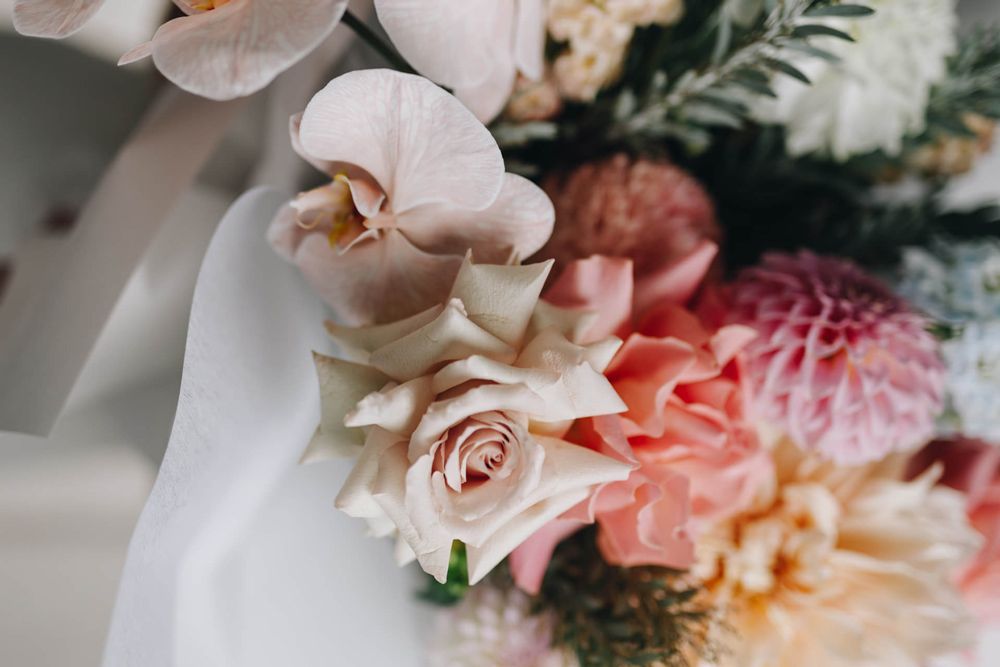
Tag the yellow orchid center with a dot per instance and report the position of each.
(208, 5)
(329, 209)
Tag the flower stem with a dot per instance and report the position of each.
(372, 39)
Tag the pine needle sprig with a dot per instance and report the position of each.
(623, 617)
(741, 67)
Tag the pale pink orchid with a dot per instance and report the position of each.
(416, 182)
(475, 47)
(222, 49)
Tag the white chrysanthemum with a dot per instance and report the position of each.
(841, 567)
(597, 35)
(959, 285)
(493, 627)
(878, 93)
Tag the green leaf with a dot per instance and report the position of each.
(786, 68)
(816, 30)
(810, 50)
(847, 11)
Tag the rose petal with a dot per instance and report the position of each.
(677, 282)
(598, 284)
(238, 48)
(356, 497)
(397, 410)
(501, 299)
(519, 222)
(418, 142)
(530, 560)
(573, 323)
(360, 342)
(451, 335)
(53, 18)
(341, 385)
(443, 414)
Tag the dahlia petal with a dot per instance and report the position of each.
(418, 142)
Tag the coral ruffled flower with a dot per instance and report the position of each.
(222, 49)
(416, 181)
(456, 416)
(697, 457)
(840, 567)
(973, 467)
(653, 212)
(842, 365)
(475, 47)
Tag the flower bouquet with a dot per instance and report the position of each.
(653, 338)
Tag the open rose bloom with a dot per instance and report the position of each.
(685, 429)
(457, 414)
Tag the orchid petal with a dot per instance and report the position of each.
(518, 223)
(419, 29)
(238, 48)
(418, 142)
(53, 18)
(529, 38)
(489, 97)
(380, 279)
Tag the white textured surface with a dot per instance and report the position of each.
(235, 536)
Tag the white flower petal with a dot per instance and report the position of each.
(341, 384)
(397, 410)
(417, 141)
(451, 335)
(53, 18)
(518, 223)
(501, 299)
(239, 48)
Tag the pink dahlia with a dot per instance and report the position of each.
(842, 364)
(651, 212)
(973, 467)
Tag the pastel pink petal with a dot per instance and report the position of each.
(53, 18)
(529, 38)
(599, 284)
(517, 224)
(650, 530)
(380, 279)
(730, 340)
(294, 130)
(452, 42)
(654, 362)
(529, 561)
(672, 320)
(284, 233)
(240, 47)
(418, 142)
(677, 282)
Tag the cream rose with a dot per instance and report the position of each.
(456, 414)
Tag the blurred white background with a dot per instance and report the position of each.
(68, 502)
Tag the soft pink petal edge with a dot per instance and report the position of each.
(53, 18)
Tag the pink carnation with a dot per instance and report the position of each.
(842, 364)
(973, 467)
(696, 458)
(652, 212)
